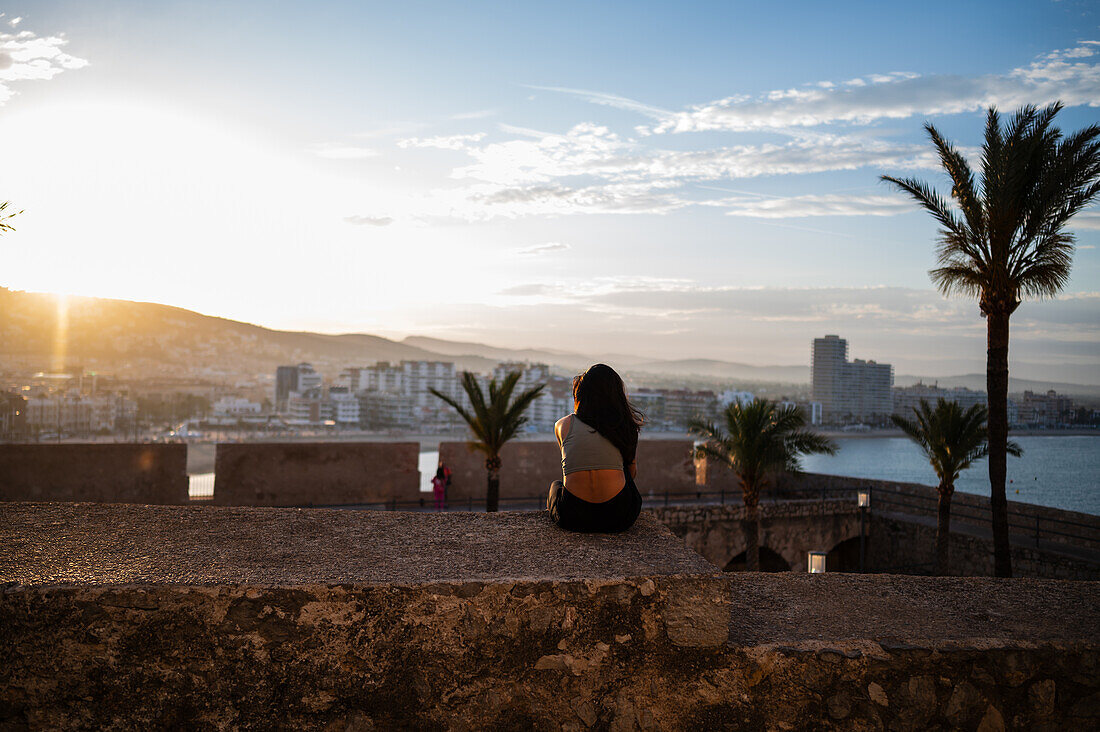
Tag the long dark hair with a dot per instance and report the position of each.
(602, 404)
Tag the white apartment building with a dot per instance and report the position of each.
(74, 414)
(381, 377)
(420, 376)
(906, 398)
(308, 378)
(555, 401)
(730, 396)
(344, 407)
(235, 407)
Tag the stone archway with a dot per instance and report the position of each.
(770, 561)
(844, 557)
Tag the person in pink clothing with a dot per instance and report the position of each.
(439, 488)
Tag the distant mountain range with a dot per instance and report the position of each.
(133, 339)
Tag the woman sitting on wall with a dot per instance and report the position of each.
(598, 446)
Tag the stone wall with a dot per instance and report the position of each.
(177, 618)
(316, 473)
(893, 543)
(899, 545)
(528, 467)
(107, 473)
(526, 470)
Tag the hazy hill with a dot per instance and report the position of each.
(727, 371)
(563, 359)
(1015, 386)
(142, 339)
(134, 339)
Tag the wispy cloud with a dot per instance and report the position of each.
(334, 151)
(592, 169)
(528, 290)
(1086, 220)
(550, 246)
(477, 114)
(1060, 75)
(823, 205)
(443, 142)
(611, 100)
(25, 56)
(369, 220)
(403, 128)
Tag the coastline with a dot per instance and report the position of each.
(1067, 432)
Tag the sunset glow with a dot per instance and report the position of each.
(382, 179)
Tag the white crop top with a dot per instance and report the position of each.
(586, 449)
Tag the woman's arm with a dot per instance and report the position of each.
(633, 468)
(561, 428)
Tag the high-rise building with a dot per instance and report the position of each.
(849, 390)
(827, 362)
(286, 381)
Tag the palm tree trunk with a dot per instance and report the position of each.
(996, 377)
(752, 534)
(492, 491)
(943, 530)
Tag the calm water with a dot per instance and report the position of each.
(429, 461)
(1060, 472)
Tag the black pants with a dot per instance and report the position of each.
(609, 517)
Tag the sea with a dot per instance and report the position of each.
(1059, 471)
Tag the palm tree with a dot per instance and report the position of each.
(952, 440)
(759, 441)
(1005, 239)
(4, 226)
(493, 422)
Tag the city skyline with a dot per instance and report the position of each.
(589, 182)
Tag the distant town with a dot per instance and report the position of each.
(849, 395)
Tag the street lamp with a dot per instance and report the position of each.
(816, 562)
(863, 499)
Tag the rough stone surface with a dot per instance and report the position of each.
(316, 473)
(64, 543)
(301, 629)
(107, 473)
(841, 607)
(528, 467)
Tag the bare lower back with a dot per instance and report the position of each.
(595, 486)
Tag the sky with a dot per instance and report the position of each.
(673, 180)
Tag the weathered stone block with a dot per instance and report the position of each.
(316, 473)
(102, 473)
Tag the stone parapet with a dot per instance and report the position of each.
(117, 617)
(107, 473)
(316, 473)
(528, 467)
